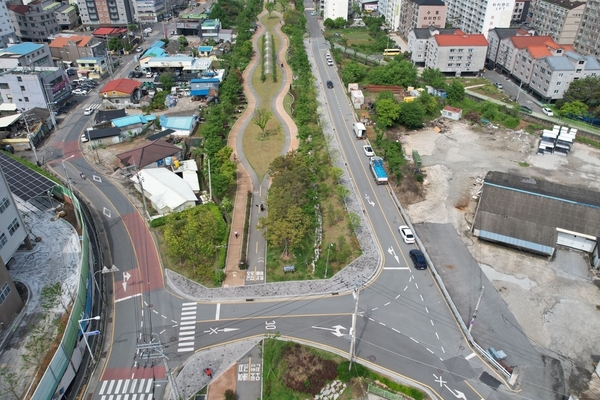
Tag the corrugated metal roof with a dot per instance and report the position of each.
(558, 63)
(132, 120)
(177, 123)
(522, 244)
(22, 48)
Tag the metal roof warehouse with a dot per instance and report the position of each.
(536, 215)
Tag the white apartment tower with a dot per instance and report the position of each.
(7, 34)
(334, 9)
(479, 16)
(12, 228)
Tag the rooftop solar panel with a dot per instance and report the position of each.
(23, 181)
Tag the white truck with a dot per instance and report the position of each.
(360, 130)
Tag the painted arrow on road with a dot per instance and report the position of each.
(456, 393)
(392, 252)
(336, 330)
(126, 276)
(371, 202)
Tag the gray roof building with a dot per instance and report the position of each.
(536, 215)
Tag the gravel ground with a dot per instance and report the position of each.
(541, 293)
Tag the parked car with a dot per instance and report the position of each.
(139, 74)
(131, 74)
(313, 13)
(149, 74)
(330, 84)
(88, 111)
(548, 112)
(139, 49)
(80, 91)
(498, 85)
(526, 110)
(406, 234)
(330, 63)
(368, 151)
(418, 259)
(84, 138)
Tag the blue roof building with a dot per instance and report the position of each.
(130, 120)
(22, 48)
(182, 126)
(204, 86)
(26, 54)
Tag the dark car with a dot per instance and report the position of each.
(330, 84)
(138, 74)
(418, 259)
(131, 75)
(526, 110)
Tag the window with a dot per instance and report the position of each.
(12, 228)
(4, 203)
(4, 292)
(3, 240)
(542, 70)
(26, 99)
(19, 79)
(556, 91)
(451, 58)
(449, 64)
(22, 88)
(578, 70)
(460, 50)
(451, 50)
(558, 83)
(3, 85)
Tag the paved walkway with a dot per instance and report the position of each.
(246, 179)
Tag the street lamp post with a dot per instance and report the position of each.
(30, 137)
(327, 262)
(104, 270)
(66, 173)
(86, 334)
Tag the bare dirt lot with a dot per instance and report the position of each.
(555, 301)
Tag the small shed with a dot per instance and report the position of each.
(104, 137)
(452, 113)
(352, 86)
(358, 99)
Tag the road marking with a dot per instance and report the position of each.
(161, 332)
(188, 308)
(405, 289)
(187, 328)
(188, 322)
(439, 380)
(443, 351)
(106, 212)
(421, 297)
(189, 304)
(396, 330)
(395, 268)
(186, 333)
(128, 297)
(470, 356)
(386, 304)
(414, 340)
(188, 313)
(398, 296)
(336, 330)
(190, 317)
(437, 336)
(431, 322)
(375, 309)
(140, 389)
(427, 309)
(417, 285)
(431, 351)
(371, 319)
(381, 323)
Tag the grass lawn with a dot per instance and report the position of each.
(288, 100)
(355, 36)
(261, 150)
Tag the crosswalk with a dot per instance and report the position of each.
(93, 106)
(187, 327)
(126, 389)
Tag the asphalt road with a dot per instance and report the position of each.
(513, 90)
(404, 325)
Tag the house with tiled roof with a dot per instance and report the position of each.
(496, 35)
(457, 53)
(514, 46)
(417, 41)
(122, 91)
(67, 48)
(67, 17)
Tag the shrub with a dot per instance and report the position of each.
(344, 374)
(230, 395)
(511, 122)
(160, 221)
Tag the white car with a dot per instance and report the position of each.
(548, 112)
(80, 91)
(406, 234)
(368, 151)
(88, 111)
(139, 49)
(330, 63)
(84, 138)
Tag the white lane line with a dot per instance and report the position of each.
(414, 340)
(163, 316)
(175, 322)
(381, 323)
(184, 349)
(386, 304)
(443, 351)
(427, 309)
(371, 319)
(155, 312)
(396, 268)
(187, 318)
(470, 356)
(104, 383)
(218, 314)
(417, 285)
(431, 351)
(397, 297)
(396, 330)
(189, 304)
(128, 297)
(188, 313)
(431, 322)
(161, 332)
(145, 303)
(142, 312)
(375, 309)
(421, 297)
(188, 322)
(405, 289)
(437, 336)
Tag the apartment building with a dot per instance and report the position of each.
(392, 10)
(479, 16)
(44, 87)
(558, 19)
(67, 17)
(7, 31)
(25, 54)
(68, 48)
(12, 235)
(521, 11)
(458, 53)
(417, 42)
(496, 35)
(95, 13)
(36, 21)
(422, 14)
(149, 10)
(334, 9)
(587, 40)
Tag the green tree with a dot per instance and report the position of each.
(183, 42)
(261, 118)
(353, 72)
(344, 42)
(586, 90)
(167, 81)
(388, 112)
(429, 104)
(397, 72)
(434, 77)
(412, 115)
(287, 232)
(328, 23)
(340, 22)
(575, 108)
(115, 44)
(283, 4)
(455, 92)
(270, 7)
(132, 27)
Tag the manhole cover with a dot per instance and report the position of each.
(461, 347)
(150, 305)
(440, 371)
(173, 339)
(372, 358)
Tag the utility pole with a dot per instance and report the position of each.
(472, 322)
(140, 180)
(356, 295)
(148, 352)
